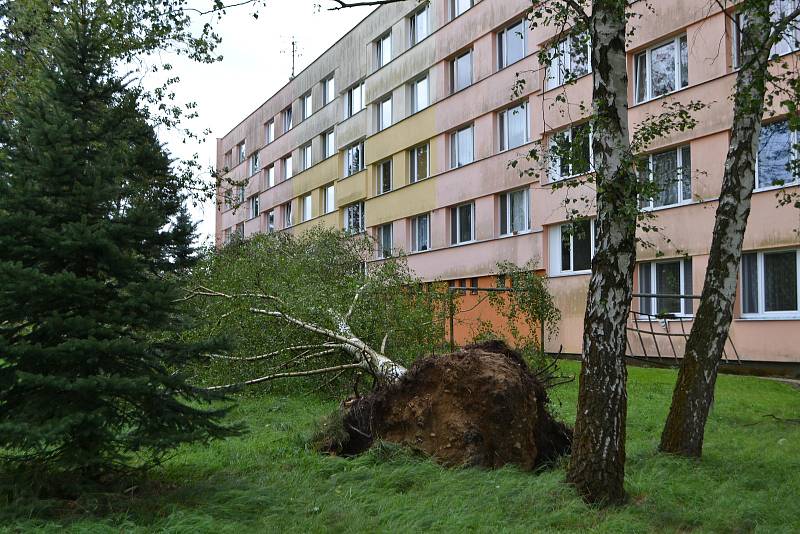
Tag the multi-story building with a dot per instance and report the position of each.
(406, 126)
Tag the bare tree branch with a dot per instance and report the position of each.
(290, 375)
(345, 5)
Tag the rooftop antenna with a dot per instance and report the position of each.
(295, 51)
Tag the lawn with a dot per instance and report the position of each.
(268, 481)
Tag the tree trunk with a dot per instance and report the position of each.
(694, 390)
(597, 464)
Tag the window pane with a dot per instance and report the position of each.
(464, 149)
(463, 72)
(465, 223)
(421, 95)
(422, 233)
(454, 226)
(515, 43)
(774, 155)
(517, 126)
(581, 149)
(686, 174)
(668, 281)
(641, 77)
(665, 176)
(684, 44)
(579, 55)
(645, 288)
(504, 214)
(420, 170)
(662, 70)
(780, 281)
(566, 248)
(688, 288)
(582, 243)
(750, 283)
(519, 216)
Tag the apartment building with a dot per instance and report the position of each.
(405, 129)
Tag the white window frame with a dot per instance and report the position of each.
(554, 160)
(502, 41)
(419, 32)
(415, 244)
(556, 231)
(455, 156)
(384, 113)
(255, 163)
(382, 168)
(328, 90)
(329, 144)
(242, 152)
(650, 204)
(457, 210)
(288, 167)
(560, 68)
(383, 49)
(359, 206)
(288, 216)
(794, 148)
(270, 221)
(413, 157)
(350, 107)
(679, 82)
(307, 155)
(271, 176)
(505, 198)
(349, 168)
(457, 7)
(454, 72)
(288, 119)
(385, 252)
(253, 207)
(270, 131)
(307, 101)
(760, 276)
(420, 101)
(308, 206)
(503, 124)
(684, 265)
(329, 198)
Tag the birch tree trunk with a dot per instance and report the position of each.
(694, 390)
(597, 464)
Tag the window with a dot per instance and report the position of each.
(421, 233)
(572, 247)
(671, 174)
(354, 218)
(354, 159)
(385, 241)
(308, 105)
(419, 25)
(240, 152)
(790, 41)
(570, 152)
(461, 72)
(240, 195)
(514, 208)
(269, 131)
(287, 215)
(770, 283)
(226, 236)
(287, 119)
(355, 100)
(420, 163)
(513, 126)
(252, 207)
(461, 148)
(458, 7)
(239, 230)
(777, 153)
(307, 208)
(662, 69)
(305, 154)
(384, 177)
(383, 50)
(664, 278)
(328, 90)
(462, 224)
(255, 165)
(270, 221)
(385, 113)
(420, 95)
(569, 59)
(271, 176)
(511, 44)
(288, 172)
(329, 198)
(226, 163)
(227, 197)
(328, 144)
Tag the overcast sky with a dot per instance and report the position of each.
(257, 63)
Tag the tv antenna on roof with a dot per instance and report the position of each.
(295, 52)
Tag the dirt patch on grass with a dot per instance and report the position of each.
(481, 406)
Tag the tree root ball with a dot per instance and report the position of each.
(480, 406)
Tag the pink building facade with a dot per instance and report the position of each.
(405, 129)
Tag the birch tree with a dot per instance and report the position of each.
(761, 84)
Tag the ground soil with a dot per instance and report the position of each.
(481, 406)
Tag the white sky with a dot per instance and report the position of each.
(256, 63)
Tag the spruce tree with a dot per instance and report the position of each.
(90, 335)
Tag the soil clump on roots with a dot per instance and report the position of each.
(481, 406)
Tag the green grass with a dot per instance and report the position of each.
(268, 481)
